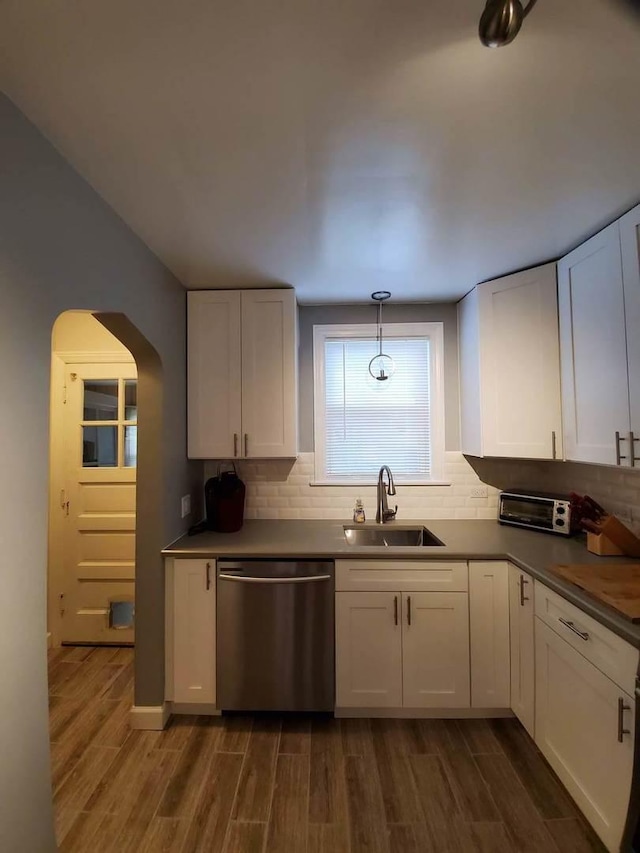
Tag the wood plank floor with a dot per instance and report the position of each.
(291, 784)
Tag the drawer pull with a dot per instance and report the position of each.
(395, 609)
(622, 707)
(523, 597)
(582, 634)
(408, 610)
(208, 576)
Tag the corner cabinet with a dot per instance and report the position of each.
(489, 633)
(242, 377)
(521, 618)
(402, 635)
(190, 631)
(599, 294)
(510, 367)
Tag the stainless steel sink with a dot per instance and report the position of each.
(391, 536)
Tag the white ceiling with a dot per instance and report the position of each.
(340, 146)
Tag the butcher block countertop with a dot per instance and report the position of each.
(535, 553)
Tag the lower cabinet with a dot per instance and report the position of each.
(191, 631)
(489, 630)
(402, 649)
(584, 728)
(522, 618)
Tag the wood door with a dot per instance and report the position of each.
(194, 631)
(520, 364)
(99, 503)
(368, 650)
(489, 634)
(214, 374)
(269, 376)
(630, 239)
(521, 615)
(435, 650)
(578, 732)
(593, 345)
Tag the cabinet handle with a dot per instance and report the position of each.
(235, 444)
(632, 447)
(208, 576)
(246, 444)
(395, 609)
(622, 707)
(408, 610)
(582, 634)
(619, 456)
(523, 597)
(553, 445)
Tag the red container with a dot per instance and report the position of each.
(224, 497)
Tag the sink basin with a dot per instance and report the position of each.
(391, 536)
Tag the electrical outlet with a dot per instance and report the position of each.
(185, 505)
(479, 492)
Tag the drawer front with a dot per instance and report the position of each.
(401, 575)
(611, 654)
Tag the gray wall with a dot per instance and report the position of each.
(324, 315)
(62, 247)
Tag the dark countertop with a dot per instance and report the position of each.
(464, 540)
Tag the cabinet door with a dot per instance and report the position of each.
(269, 392)
(489, 633)
(368, 650)
(521, 612)
(520, 365)
(578, 729)
(630, 239)
(213, 374)
(435, 650)
(194, 631)
(595, 392)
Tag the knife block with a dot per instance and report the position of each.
(614, 535)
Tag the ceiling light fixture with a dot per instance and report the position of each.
(381, 366)
(501, 21)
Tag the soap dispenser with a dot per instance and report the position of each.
(358, 512)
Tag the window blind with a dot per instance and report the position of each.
(369, 423)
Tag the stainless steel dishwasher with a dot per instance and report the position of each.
(275, 635)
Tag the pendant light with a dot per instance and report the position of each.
(501, 21)
(381, 366)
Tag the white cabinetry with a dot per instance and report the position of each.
(521, 618)
(190, 665)
(599, 293)
(402, 634)
(489, 631)
(584, 712)
(242, 374)
(510, 367)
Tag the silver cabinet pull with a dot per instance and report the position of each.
(208, 576)
(523, 597)
(408, 610)
(395, 609)
(619, 455)
(235, 444)
(582, 634)
(632, 449)
(622, 707)
(246, 444)
(553, 445)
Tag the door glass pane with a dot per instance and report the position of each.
(131, 400)
(99, 446)
(100, 400)
(130, 446)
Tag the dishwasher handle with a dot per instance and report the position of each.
(245, 579)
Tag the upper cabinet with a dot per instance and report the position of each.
(599, 296)
(510, 367)
(242, 378)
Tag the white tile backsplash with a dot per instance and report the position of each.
(277, 489)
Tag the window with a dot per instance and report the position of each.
(362, 423)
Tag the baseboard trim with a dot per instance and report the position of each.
(150, 717)
(425, 713)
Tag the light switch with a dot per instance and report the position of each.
(186, 505)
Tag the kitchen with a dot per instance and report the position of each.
(115, 273)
